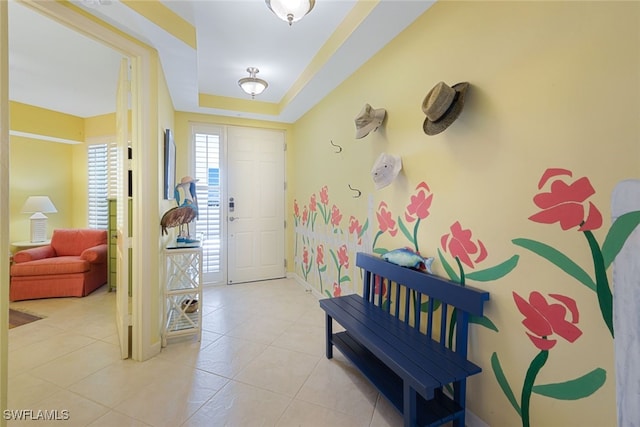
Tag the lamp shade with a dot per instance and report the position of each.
(290, 10)
(252, 85)
(38, 204)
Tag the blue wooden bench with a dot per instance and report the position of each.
(399, 340)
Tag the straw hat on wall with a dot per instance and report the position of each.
(442, 106)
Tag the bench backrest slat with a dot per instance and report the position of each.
(412, 293)
(463, 297)
(430, 318)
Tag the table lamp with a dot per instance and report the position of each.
(38, 206)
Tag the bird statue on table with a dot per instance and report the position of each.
(183, 214)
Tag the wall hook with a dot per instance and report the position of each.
(356, 190)
(336, 145)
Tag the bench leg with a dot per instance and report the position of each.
(459, 396)
(409, 406)
(329, 349)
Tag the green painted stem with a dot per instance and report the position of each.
(415, 235)
(454, 313)
(605, 297)
(375, 239)
(462, 279)
(536, 364)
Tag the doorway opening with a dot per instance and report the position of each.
(241, 202)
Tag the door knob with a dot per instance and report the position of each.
(232, 218)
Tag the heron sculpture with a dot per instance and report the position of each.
(183, 214)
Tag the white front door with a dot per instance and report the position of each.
(254, 204)
(123, 310)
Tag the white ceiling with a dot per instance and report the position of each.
(53, 67)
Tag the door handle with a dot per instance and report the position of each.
(232, 218)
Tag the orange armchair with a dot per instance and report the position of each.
(73, 265)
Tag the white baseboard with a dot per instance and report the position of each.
(307, 287)
(472, 420)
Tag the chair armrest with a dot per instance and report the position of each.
(96, 254)
(33, 254)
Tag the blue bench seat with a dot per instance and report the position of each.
(402, 356)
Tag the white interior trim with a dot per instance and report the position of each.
(43, 137)
(146, 341)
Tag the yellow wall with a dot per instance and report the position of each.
(57, 169)
(39, 168)
(42, 167)
(40, 121)
(553, 85)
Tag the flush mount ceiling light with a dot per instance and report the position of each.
(290, 10)
(253, 85)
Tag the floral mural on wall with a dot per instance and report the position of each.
(323, 248)
(323, 245)
(566, 202)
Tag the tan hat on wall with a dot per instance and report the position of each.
(369, 119)
(442, 106)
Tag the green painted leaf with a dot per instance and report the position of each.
(335, 258)
(364, 228)
(328, 293)
(618, 234)
(496, 272)
(380, 251)
(578, 388)
(559, 259)
(404, 230)
(503, 383)
(322, 269)
(447, 267)
(345, 279)
(424, 307)
(483, 321)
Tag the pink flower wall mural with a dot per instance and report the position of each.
(320, 264)
(566, 202)
(341, 260)
(319, 231)
(457, 243)
(386, 224)
(548, 321)
(328, 244)
(416, 211)
(545, 321)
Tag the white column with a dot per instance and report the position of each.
(626, 308)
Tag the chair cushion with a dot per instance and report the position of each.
(48, 266)
(73, 241)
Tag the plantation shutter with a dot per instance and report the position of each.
(101, 171)
(208, 190)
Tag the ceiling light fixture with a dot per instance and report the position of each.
(253, 85)
(290, 10)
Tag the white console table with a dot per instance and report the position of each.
(183, 286)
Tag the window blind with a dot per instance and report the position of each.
(101, 172)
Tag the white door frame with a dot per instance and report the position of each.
(146, 341)
(4, 208)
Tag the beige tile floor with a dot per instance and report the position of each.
(260, 363)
